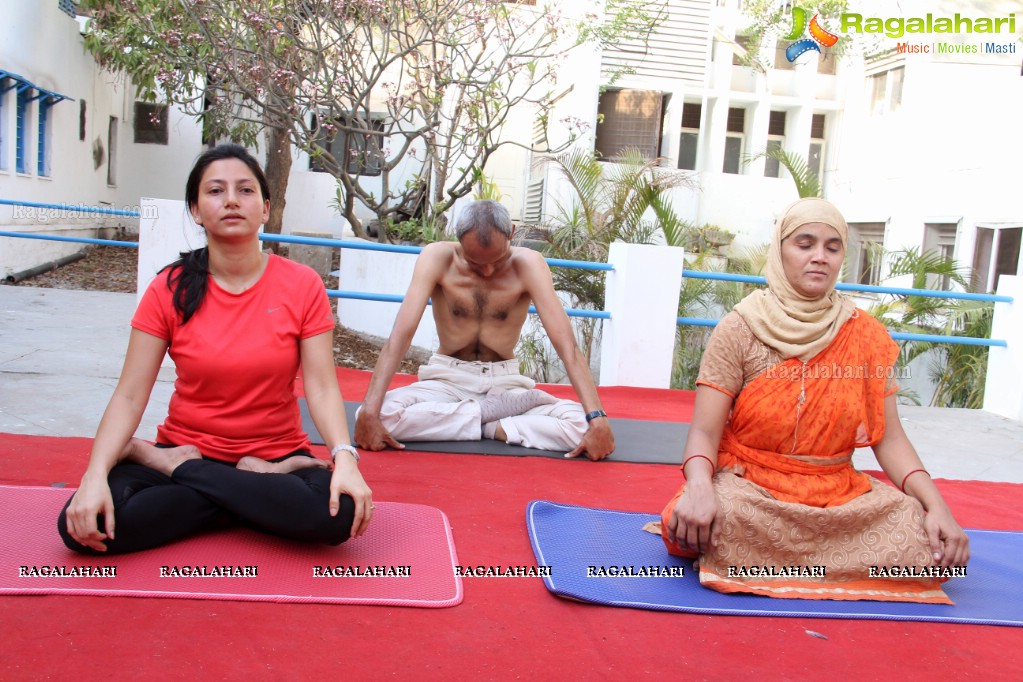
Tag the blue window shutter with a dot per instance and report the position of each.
(21, 143)
(44, 111)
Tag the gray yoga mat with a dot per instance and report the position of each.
(636, 440)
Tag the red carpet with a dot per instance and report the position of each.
(506, 628)
(411, 542)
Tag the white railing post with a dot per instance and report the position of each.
(641, 294)
(1003, 389)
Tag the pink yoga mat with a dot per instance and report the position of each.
(407, 558)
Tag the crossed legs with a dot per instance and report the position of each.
(438, 410)
(166, 494)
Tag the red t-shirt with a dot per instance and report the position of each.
(237, 359)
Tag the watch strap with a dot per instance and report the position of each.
(345, 447)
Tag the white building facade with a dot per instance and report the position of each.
(72, 133)
(918, 149)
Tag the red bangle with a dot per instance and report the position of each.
(713, 467)
(904, 478)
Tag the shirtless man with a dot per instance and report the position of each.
(471, 388)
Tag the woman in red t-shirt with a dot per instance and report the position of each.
(238, 324)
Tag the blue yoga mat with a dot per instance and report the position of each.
(572, 539)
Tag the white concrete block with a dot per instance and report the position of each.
(642, 296)
(1003, 390)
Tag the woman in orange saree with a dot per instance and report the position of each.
(791, 382)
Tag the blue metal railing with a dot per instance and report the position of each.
(71, 208)
(552, 262)
(340, 243)
(77, 240)
(291, 239)
(398, 298)
(901, 336)
(866, 288)
(402, 248)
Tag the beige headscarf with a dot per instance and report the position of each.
(781, 317)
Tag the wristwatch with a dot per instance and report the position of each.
(590, 416)
(343, 446)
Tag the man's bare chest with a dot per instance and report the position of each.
(481, 304)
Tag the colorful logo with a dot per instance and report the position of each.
(819, 36)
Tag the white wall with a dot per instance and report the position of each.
(950, 153)
(154, 170)
(44, 45)
(1002, 393)
(744, 204)
(379, 273)
(308, 202)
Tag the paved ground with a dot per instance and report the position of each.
(61, 352)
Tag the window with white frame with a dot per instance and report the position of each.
(354, 138)
(815, 156)
(865, 255)
(775, 142)
(629, 119)
(996, 252)
(735, 140)
(886, 90)
(940, 240)
(689, 138)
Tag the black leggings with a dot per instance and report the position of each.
(152, 509)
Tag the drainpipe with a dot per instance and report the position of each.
(16, 277)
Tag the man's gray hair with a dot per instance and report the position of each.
(484, 217)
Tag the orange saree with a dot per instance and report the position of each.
(798, 519)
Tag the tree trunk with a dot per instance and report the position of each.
(278, 168)
(440, 222)
(358, 229)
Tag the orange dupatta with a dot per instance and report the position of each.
(794, 427)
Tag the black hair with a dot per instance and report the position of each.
(189, 273)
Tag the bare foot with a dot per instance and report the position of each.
(261, 466)
(164, 460)
(494, 431)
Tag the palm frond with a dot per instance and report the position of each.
(807, 182)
